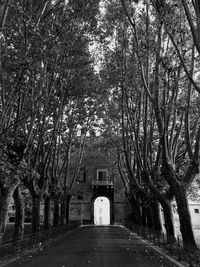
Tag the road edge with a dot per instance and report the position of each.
(158, 250)
(32, 251)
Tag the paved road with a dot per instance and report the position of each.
(96, 246)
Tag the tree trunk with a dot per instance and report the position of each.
(182, 205)
(136, 210)
(56, 213)
(168, 217)
(4, 205)
(36, 213)
(185, 218)
(149, 214)
(63, 212)
(19, 214)
(5, 196)
(166, 205)
(145, 219)
(67, 209)
(47, 212)
(155, 216)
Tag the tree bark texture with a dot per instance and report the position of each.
(136, 210)
(168, 217)
(185, 218)
(154, 214)
(6, 194)
(166, 205)
(19, 214)
(4, 205)
(36, 213)
(63, 212)
(179, 190)
(47, 212)
(67, 209)
(56, 213)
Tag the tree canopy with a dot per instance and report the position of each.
(129, 69)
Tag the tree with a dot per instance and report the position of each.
(128, 98)
(45, 66)
(159, 135)
(169, 118)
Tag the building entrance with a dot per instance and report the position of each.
(102, 211)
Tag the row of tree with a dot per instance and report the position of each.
(151, 70)
(48, 97)
(148, 74)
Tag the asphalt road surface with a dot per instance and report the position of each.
(96, 246)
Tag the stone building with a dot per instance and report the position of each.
(101, 195)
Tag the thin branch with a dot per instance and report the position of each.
(187, 109)
(183, 62)
(192, 26)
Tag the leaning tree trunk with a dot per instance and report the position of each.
(47, 212)
(168, 217)
(4, 206)
(5, 197)
(185, 218)
(56, 212)
(155, 216)
(166, 205)
(36, 213)
(182, 204)
(19, 214)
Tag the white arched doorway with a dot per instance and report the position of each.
(102, 211)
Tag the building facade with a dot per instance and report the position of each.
(100, 194)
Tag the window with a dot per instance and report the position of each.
(196, 210)
(102, 174)
(82, 175)
(80, 197)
